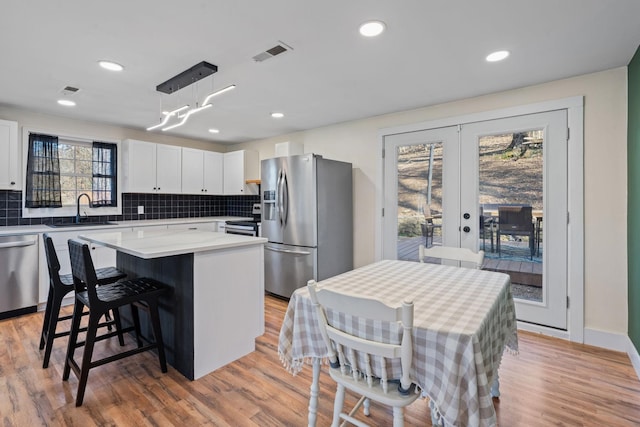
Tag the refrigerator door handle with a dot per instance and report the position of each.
(285, 193)
(279, 196)
(287, 251)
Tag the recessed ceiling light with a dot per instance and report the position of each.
(110, 65)
(372, 28)
(277, 115)
(214, 131)
(66, 103)
(497, 56)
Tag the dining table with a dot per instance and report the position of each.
(464, 319)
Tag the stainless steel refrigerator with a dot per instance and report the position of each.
(307, 216)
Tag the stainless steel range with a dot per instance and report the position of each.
(248, 227)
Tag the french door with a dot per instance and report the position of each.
(461, 186)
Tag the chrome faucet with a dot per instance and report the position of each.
(78, 206)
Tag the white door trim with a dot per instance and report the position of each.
(575, 256)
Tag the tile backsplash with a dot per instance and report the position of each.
(156, 206)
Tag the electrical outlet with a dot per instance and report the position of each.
(140, 210)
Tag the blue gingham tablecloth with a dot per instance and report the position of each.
(463, 320)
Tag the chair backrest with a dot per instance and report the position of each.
(453, 254)
(82, 268)
(53, 264)
(515, 218)
(357, 353)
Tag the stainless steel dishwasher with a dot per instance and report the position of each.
(18, 275)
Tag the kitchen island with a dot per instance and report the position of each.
(216, 308)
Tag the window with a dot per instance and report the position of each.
(88, 168)
(82, 166)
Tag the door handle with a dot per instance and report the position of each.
(287, 251)
(285, 192)
(466, 229)
(279, 197)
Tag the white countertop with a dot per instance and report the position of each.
(42, 228)
(160, 243)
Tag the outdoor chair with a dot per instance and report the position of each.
(463, 255)
(428, 226)
(487, 225)
(516, 221)
(364, 364)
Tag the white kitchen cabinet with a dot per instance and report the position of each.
(240, 166)
(151, 168)
(202, 172)
(10, 159)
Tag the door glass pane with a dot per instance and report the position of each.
(510, 201)
(419, 198)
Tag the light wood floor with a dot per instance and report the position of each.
(551, 382)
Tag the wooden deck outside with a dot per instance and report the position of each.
(522, 272)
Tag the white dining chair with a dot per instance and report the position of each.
(474, 259)
(361, 364)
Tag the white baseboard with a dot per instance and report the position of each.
(543, 330)
(632, 351)
(609, 340)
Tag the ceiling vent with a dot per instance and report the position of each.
(270, 53)
(69, 90)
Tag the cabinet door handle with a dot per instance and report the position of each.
(13, 183)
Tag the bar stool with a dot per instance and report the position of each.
(59, 287)
(140, 293)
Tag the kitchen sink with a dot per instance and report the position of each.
(81, 224)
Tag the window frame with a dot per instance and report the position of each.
(67, 211)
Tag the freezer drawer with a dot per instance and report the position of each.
(18, 274)
(288, 268)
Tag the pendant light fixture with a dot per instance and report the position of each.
(186, 78)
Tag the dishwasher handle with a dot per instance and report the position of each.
(18, 244)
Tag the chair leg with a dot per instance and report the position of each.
(398, 416)
(47, 317)
(54, 313)
(337, 405)
(136, 323)
(92, 328)
(366, 407)
(73, 338)
(157, 332)
(118, 322)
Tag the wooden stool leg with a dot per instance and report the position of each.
(107, 317)
(56, 302)
(92, 328)
(47, 317)
(118, 322)
(136, 323)
(73, 338)
(157, 332)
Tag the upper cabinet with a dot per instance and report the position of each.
(151, 168)
(240, 166)
(202, 172)
(10, 160)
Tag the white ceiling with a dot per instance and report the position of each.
(432, 52)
